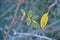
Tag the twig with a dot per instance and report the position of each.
(13, 20)
(52, 5)
(29, 34)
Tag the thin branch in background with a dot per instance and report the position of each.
(54, 30)
(13, 20)
(52, 24)
(8, 10)
(58, 8)
(35, 35)
(52, 5)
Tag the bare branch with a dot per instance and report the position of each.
(13, 20)
(29, 34)
(52, 5)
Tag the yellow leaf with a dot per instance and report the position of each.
(44, 20)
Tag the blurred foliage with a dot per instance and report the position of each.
(38, 7)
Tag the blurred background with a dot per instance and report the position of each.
(39, 7)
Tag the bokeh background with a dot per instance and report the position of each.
(39, 7)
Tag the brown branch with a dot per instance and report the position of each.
(13, 20)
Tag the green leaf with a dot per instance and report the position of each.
(29, 13)
(23, 12)
(35, 17)
(35, 24)
(28, 20)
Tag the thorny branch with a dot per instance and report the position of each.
(13, 20)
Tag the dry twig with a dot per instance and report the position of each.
(13, 20)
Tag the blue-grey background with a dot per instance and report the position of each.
(39, 7)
